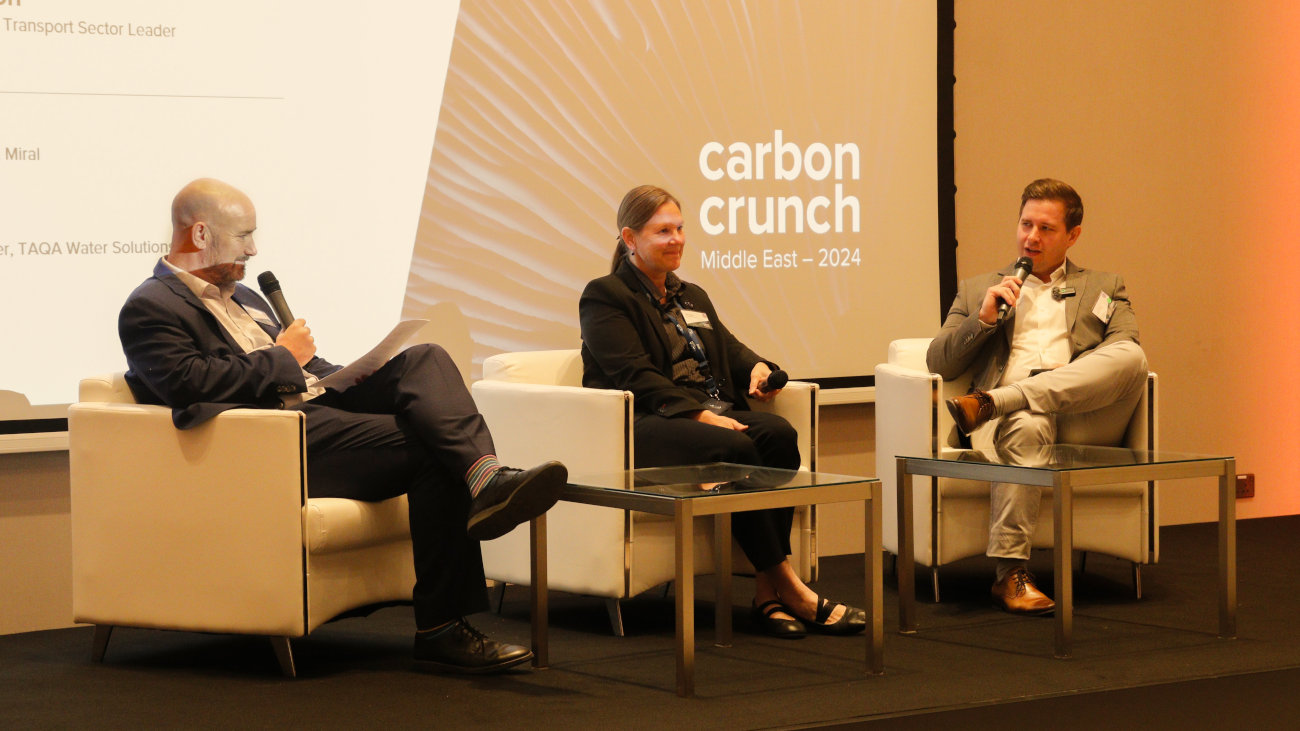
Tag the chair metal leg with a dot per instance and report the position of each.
(284, 655)
(934, 582)
(499, 595)
(615, 616)
(1137, 580)
(99, 645)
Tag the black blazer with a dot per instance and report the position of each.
(179, 355)
(624, 346)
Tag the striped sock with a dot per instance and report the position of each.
(478, 475)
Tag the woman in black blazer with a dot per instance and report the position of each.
(646, 331)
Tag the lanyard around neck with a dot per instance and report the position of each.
(693, 342)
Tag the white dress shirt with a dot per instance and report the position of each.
(1041, 338)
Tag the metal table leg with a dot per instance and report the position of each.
(683, 528)
(906, 566)
(875, 605)
(1228, 550)
(1063, 563)
(722, 573)
(537, 550)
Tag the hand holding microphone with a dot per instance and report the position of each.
(1024, 265)
(294, 334)
(776, 381)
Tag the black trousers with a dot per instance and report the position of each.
(411, 427)
(770, 441)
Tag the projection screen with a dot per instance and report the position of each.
(464, 161)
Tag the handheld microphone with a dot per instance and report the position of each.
(776, 379)
(271, 288)
(1024, 265)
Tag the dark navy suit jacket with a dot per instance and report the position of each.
(179, 355)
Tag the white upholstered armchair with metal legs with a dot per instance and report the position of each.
(537, 409)
(952, 516)
(211, 529)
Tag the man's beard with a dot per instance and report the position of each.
(222, 274)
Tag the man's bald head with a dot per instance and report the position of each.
(212, 231)
(204, 200)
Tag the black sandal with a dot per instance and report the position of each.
(853, 620)
(786, 629)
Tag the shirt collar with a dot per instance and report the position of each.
(201, 288)
(1056, 277)
(673, 284)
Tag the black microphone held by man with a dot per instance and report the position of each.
(1024, 265)
(270, 287)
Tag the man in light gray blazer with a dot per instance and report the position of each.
(1059, 364)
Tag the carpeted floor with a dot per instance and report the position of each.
(970, 665)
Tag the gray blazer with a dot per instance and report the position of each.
(963, 345)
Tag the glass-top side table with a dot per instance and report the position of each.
(717, 489)
(1064, 467)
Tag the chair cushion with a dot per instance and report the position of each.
(910, 353)
(547, 367)
(338, 524)
(109, 388)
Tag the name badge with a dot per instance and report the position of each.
(717, 406)
(695, 318)
(1104, 307)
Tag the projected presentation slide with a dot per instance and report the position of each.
(464, 161)
(799, 136)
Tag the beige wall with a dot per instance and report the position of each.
(1177, 123)
(846, 445)
(35, 542)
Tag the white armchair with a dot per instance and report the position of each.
(211, 530)
(537, 409)
(952, 516)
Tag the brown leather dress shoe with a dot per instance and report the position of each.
(971, 410)
(1016, 593)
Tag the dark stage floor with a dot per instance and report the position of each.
(1155, 662)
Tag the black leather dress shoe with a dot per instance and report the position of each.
(853, 620)
(514, 496)
(786, 629)
(460, 648)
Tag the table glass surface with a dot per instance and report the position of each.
(1067, 457)
(696, 481)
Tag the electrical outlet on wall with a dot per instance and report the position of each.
(1246, 485)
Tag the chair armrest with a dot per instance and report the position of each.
(196, 529)
(1141, 432)
(588, 429)
(1144, 433)
(907, 413)
(909, 422)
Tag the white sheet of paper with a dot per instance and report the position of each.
(346, 377)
